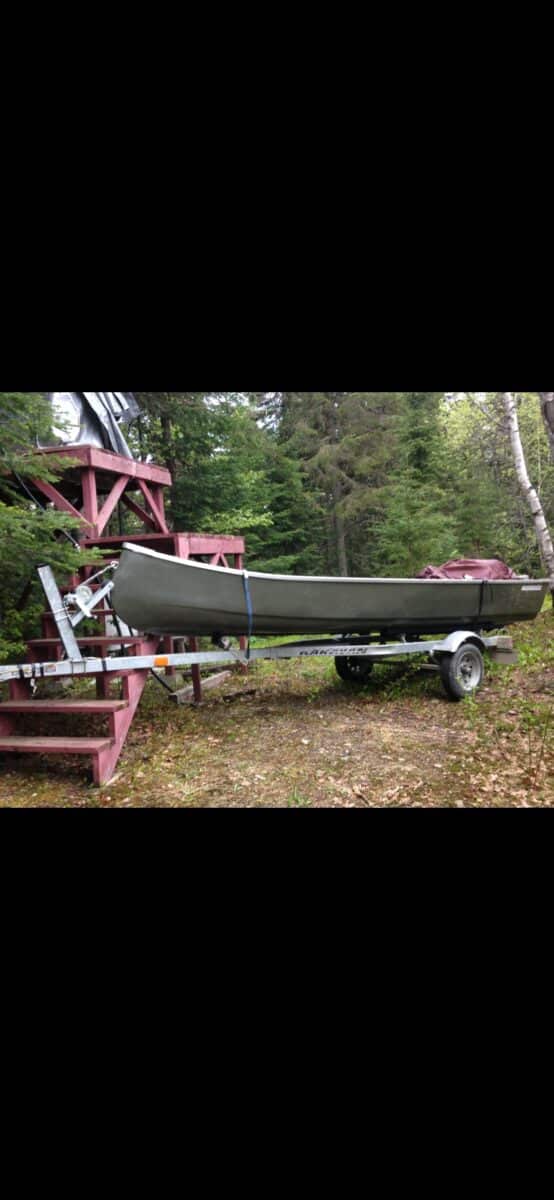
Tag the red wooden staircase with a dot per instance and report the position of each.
(118, 714)
(95, 483)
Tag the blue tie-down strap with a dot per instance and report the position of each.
(249, 608)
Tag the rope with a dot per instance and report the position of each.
(111, 567)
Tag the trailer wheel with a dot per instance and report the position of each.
(354, 670)
(463, 672)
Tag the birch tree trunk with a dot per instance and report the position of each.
(547, 406)
(544, 538)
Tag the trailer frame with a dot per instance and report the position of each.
(499, 648)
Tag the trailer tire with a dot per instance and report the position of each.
(354, 670)
(463, 672)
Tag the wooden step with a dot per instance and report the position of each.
(53, 745)
(39, 707)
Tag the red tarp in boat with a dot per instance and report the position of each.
(469, 568)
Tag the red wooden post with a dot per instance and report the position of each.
(19, 689)
(196, 676)
(168, 648)
(90, 498)
(159, 497)
(182, 545)
(103, 687)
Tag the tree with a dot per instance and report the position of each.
(419, 523)
(345, 444)
(544, 538)
(547, 408)
(29, 534)
(229, 473)
(492, 518)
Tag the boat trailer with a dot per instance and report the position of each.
(459, 657)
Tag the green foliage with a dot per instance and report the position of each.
(28, 536)
(418, 526)
(230, 474)
(492, 517)
(345, 444)
(24, 420)
(297, 800)
(360, 482)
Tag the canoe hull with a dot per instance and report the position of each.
(155, 593)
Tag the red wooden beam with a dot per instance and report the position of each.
(159, 496)
(205, 543)
(90, 496)
(153, 506)
(139, 512)
(110, 504)
(60, 501)
(105, 461)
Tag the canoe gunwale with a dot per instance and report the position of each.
(144, 551)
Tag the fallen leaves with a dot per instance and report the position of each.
(409, 748)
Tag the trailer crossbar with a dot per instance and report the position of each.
(117, 665)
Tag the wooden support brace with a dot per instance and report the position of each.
(186, 695)
(159, 495)
(110, 505)
(139, 512)
(60, 501)
(90, 496)
(160, 519)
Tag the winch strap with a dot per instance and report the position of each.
(249, 608)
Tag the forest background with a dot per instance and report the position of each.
(331, 483)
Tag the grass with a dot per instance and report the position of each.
(292, 735)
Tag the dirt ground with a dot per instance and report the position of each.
(292, 735)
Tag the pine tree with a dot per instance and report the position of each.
(345, 442)
(418, 525)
